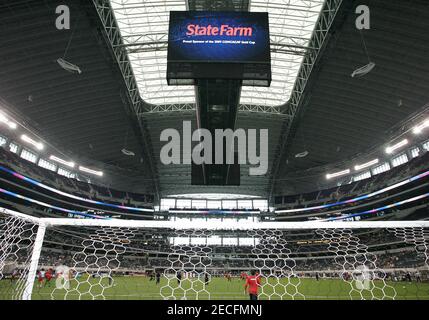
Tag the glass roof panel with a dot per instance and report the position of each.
(144, 29)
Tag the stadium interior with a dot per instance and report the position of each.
(82, 111)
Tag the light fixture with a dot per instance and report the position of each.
(70, 67)
(302, 154)
(366, 165)
(360, 72)
(97, 173)
(337, 174)
(419, 128)
(70, 164)
(5, 120)
(128, 153)
(400, 144)
(38, 145)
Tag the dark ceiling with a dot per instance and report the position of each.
(343, 116)
(84, 114)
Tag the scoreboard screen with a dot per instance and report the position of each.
(224, 37)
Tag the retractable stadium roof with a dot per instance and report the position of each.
(144, 30)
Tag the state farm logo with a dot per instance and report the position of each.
(223, 30)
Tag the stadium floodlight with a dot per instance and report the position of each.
(87, 170)
(5, 120)
(12, 125)
(38, 145)
(419, 128)
(396, 146)
(70, 164)
(337, 174)
(366, 165)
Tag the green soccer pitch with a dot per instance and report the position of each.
(141, 288)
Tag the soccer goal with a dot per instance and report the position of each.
(46, 258)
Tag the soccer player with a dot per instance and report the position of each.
(206, 279)
(408, 276)
(179, 277)
(418, 276)
(41, 277)
(228, 277)
(158, 277)
(15, 275)
(252, 285)
(48, 277)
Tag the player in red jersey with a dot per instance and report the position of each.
(48, 277)
(252, 285)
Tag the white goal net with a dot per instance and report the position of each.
(56, 259)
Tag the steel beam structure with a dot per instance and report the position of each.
(317, 41)
(144, 30)
(113, 35)
(243, 109)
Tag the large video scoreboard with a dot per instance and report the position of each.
(221, 45)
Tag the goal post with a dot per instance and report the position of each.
(136, 259)
(21, 239)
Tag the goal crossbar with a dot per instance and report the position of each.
(217, 225)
